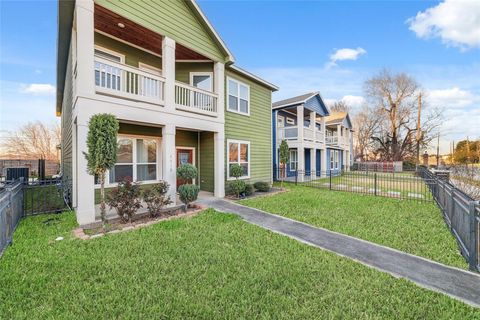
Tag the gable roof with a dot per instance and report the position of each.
(312, 101)
(293, 101)
(338, 117)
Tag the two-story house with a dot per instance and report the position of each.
(319, 141)
(164, 72)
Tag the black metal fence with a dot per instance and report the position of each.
(461, 213)
(11, 210)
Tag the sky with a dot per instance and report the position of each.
(301, 46)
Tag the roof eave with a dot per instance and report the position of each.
(254, 77)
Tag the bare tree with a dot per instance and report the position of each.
(365, 124)
(34, 140)
(340, 106)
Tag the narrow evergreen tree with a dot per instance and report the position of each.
(284, 157)
(102, 150)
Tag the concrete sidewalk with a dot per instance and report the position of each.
(459, 284)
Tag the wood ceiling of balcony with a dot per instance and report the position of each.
(107, 22)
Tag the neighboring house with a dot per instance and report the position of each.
(319, 141)
(163, 71)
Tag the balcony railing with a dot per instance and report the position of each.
(288, 133)
(120, 80)
(332, 140)
(319, 136)
(308, 134)
(196, 100)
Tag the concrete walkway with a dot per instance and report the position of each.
(457, 283)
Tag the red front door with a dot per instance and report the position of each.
(184, 156)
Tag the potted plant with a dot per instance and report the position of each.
(188, 192)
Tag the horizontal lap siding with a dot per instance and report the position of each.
(67, 122)
(187, 139)
(171, 18)
(255, 128)
(207, 161)
(183, 69)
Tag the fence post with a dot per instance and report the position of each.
(296, 176)
(375, 184)
(472, 250)
(330, 180)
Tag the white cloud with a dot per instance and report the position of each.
(457, 23)
(452, 98)
(38, 89)
(354, 102)
(345, 54)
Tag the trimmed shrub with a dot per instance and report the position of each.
(125, 198)
(236, 171)
(237, 187)
(156, 198)
(262, 186)
(187, 172)
(188, 193)
(249, 189)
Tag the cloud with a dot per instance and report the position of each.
(38, 89)
(354, 102)
(457, 23)
(452, 98)
(345, 54)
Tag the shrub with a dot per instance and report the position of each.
(237, 187)
(125, 198)
(188, 193)
(187, 172)
(236, 171)
(156, 198)
(262, 186)
(249, 189)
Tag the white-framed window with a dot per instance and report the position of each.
(137, 160)
(291, 121)
(106, 75)
(238, 97)
(332, 152)
(109, 54)
(202, 80)
(239, 153)
(293, 160)
(336, 159)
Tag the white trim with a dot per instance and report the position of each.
(193, 158)
(238, 96)
(296, 159)
(127, 43)
(149, 68)
(202, 73)
(190, 60)
(238, 142)
(254, 77)
(113, 53)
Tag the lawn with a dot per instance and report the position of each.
(411, 226)
(210, 266)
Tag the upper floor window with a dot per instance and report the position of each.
(202, 80)
(238, 97)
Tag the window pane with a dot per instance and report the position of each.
(121, 172)
(243, 152)
(233, 152)
(232, 103)
(243, 92)
(245, 168)
(232, 88)
(107, 55)
(146, 151)
(124, 151)
(243, 106)
(146, 172)
(203, 82)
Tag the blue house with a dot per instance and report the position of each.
(339, 141)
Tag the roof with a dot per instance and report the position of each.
(337, 117)
(294, 101)
(253, 77)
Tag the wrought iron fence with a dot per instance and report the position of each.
(461, 213)
(11, 210)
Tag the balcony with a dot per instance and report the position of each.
(309, 134)
(332, 140)
(192, 99)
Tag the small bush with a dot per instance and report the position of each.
(188, 193)
(187, 172)
(236, 171)
(125, 198)
(249, 189)
(156, 198)
(262, 186)
(237, 187)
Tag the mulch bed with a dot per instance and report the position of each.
(116, 225)
(256, 194)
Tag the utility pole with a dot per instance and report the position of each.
(419, 133)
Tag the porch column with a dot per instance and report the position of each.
(323, 161)
(85, 191)
(219, 164)
(324, 129)
(84, 29)
(339, 130)
(219, 87)
(313, 162)
(313, 116)
(300, 116)
(168, 71)
(169, 165)
(301, 163)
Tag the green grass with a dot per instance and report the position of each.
(210, 266)
(411, 226)
(43, 198)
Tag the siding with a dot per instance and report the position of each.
(255, 128)
(171, 18)
(207, 161)
(188, 139)
(183, 69)
(67, 122)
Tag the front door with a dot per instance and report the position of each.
(184, 156)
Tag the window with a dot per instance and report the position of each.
(332, 152)
(136, 160)
(201, 80)
(291, 121)
(239, 153)
(238, 97)
(107, 75)
(293, 160)
(336, 159)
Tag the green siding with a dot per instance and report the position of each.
(183, 69)
(128, 128)
(171, 18)
(255, 128)
(207, 161)
(189, 139)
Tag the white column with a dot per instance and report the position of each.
(168, 71)
(219, 164)
(85, 191)
(85, 82)
(169, 161)
(323, 161)
(300, 124)
(313, 116)
(313, 162)
(219, 87)
(324, 129)
(339, 130)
